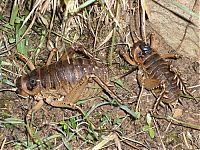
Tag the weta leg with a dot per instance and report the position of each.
(127, 58)
(76, 92)
(28, 116)
(169, 56)
(153, 41)
(105, 87)
(76, 47)
(72, 95)
(148, 83)
(52, 53)
(67, 54)
(79, 47)
(26, 60)
(139, 99)
(71, 51)
(155, 47)
(34, 109)
(158, 100)
(181, 83)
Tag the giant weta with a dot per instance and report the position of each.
(155, 73)
(62, 83)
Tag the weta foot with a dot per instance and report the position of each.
(63, 104)
(29, 116)
(159, 99)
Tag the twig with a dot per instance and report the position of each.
(3, 143)
(178, 122)
(156, 126)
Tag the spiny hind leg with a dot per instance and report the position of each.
(72, 95)
(78, 47)
(158, 100)
(104, 86)
(181, 83)
(67, 54)
(148, 83)
(78, 89)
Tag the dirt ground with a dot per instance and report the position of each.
(104, 125)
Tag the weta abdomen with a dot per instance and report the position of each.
(69, 72)
(62, 75)
(157, 68)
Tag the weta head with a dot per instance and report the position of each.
(140, 50)
(28, 85)
(145, 48)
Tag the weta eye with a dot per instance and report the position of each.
(145, 48)
(33, 82)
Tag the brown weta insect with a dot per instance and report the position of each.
(62, 83)
(155, 73)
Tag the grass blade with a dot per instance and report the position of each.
(14, 13)
(186, 9)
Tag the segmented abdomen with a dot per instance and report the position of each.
(157, 68)
(69, 72)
